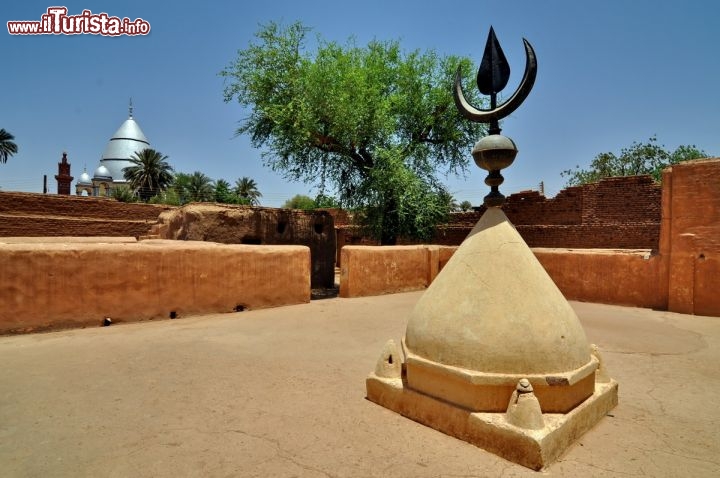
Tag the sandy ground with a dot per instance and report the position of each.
(280, 393)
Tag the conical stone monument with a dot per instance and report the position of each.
(493, 353)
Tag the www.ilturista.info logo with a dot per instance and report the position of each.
(57, 22)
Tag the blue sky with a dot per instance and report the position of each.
(609, 73)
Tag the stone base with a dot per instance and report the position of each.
(531, 448)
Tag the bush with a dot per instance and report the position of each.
(123, 193)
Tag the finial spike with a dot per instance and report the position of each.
(494, 71)
(130, 108)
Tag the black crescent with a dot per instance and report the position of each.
(486, 116)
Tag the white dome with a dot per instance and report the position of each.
(85, 179)
(127, 140)
(102, 173)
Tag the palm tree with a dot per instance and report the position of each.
(7, 146)
(247, 189)
(223, 193)
(200, 188)
(180, 184)
(150, 173)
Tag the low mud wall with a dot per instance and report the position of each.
(377, 270)
(623, 277)
(229, 224)
(50, 285)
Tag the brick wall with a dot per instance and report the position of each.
(615, 213)
(33, 215)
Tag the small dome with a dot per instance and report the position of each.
(102, 173)
(85, 179)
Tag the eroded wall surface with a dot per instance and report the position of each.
(613, 213)
(257, 225)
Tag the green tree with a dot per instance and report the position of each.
(199, 188)
(7, 146)
(247, 190)
(640, 158)
(465, 206)
(224, 193)
(324, 201)
(179, 186)
(300, 201)
(348, 116)
(149, 174)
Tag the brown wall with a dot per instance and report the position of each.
(377, 270)
(257, 225)
(682, 276)
(28, 214)
(615, 213)
(53, 285)
(606, 276)
(630, 278)
(368, 270)
(691, 236)
(42, 215)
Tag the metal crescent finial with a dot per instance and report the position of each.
(471, 113)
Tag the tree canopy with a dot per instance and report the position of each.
(247, 190)
(639, 158)
(300, 201)
(199, 188)
(150, 173)
(374, 124)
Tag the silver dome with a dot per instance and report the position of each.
(127, 140)
(85, 179)
(102, 173)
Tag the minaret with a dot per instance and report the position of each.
(63, 176)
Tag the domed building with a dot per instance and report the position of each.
(84, 184)
(127, 140)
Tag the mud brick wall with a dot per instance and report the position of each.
(71, 284)
(258, 225)
(593, 236)
(35, 215)
(691, 236)
(615, 213)
(626, 200)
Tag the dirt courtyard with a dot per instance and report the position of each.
(280, 393)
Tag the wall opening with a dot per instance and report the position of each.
(251, 240)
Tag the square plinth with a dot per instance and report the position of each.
(490, 431)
